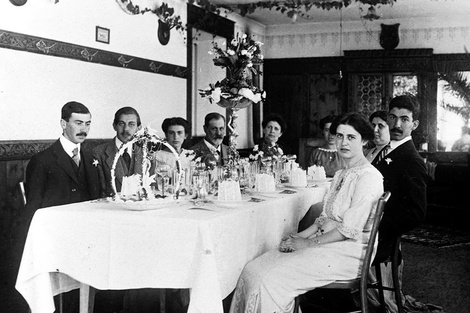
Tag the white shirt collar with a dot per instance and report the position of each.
(119, 143)
(69, 146)
(211, 146)
(396, 143)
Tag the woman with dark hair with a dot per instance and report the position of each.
(381, 134)
(273, 128)
(176, 131)
(326, 155)
(332, 248)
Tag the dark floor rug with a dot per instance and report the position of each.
(438, 236)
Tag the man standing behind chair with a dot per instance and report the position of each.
(211, 149)
(63, 173)
(404, 175)
(126, 123)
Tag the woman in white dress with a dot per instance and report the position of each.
(330, 249)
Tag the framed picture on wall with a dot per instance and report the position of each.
(102, 34)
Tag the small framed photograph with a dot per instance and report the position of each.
(102, 34)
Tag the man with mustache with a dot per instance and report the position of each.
(404, 173)
(211, 149)
(63, 173)
(126, 123)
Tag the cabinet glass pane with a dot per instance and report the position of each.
(369, 93)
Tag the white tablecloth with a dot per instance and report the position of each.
(108, 245)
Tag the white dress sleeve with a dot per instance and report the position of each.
(364, 198)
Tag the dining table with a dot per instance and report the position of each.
(199, 244)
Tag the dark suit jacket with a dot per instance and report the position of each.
(52, 179)
(201, 149)
(404, 175)
(105, 155)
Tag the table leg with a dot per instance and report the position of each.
(87, 298)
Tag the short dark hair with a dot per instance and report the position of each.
(126, 111)
(73, 107)
(176, 121)
(213, 116)
(380, 114)
(407, 101)
(358, 121)
(326, 120)
(274, 117)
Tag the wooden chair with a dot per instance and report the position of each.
(23, 193)
(360, 283)
(394, 260)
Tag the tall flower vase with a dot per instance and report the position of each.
(233, 105)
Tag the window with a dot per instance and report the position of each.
(453, 111)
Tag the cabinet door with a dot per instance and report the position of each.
(324, 99)
(367, 93)
(288, 96)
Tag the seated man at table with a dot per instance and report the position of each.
(211, 149)
(405, 177)
(126, 123)
(63, 173)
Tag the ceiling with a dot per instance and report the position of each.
(401, 9)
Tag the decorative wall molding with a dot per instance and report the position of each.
(300, 43)
(28, 43)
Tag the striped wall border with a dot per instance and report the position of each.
(28, 43)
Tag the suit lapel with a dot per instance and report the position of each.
(111, 151)
(64, 160)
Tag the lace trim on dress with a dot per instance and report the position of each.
(320, 220)
(348, 232)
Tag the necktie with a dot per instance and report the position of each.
(75, 156)
(382, 153)
(127, 158)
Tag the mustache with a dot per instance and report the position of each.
(82, 134)
(396, 130)
(218, 137)
(124, 133)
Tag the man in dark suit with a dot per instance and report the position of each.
(404, 173)
(62, 174)
(211, 149)
(126, 123)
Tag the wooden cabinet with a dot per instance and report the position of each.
(306, 89)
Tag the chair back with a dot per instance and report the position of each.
(370, 248)
(23, 193)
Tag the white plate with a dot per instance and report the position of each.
(147, 205)
(229, 202)
(295, 187)
(265, 192)
(316, 181)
